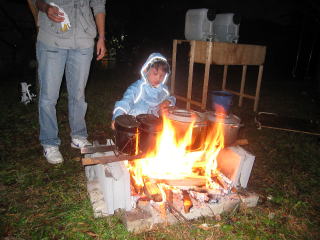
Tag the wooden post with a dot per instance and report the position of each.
(190, 77)
(206, 75)
(224, 79)
(173, 66)
(243, 82)
(256, 99)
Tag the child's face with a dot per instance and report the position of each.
(155, 76)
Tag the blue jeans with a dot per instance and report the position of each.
(52, 63)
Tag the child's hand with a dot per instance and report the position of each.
(164, 106)
(112, 125)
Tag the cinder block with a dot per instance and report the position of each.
(114, 183)
(249, 199)
(231, 202)
(236, 164)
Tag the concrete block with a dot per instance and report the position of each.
(249, 199)
(236, 164)
(114, 183)
(96, 199)
(231, 202)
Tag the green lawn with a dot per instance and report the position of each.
(43, 201)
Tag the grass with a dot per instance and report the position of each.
(43, 201)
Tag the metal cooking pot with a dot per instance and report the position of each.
(181, 120)
(231, 125)
(126, 134)
(149, 129)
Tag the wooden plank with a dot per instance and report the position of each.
(187, 181)
(238, 54)
(243, 82)
(173, 67)
(206, 76)
(110, 159)
(257, 97)
(190, 75)
(188, 100)
(224, 78)
(243, 95)
(231, 53)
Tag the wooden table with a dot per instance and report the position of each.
(220, 53)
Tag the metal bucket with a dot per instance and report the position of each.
(181, 120)
(150, 128)
(231, 125)
(126, 134)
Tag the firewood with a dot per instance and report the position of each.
(187, 203)
(169, 195)
(137, 188)
(188, 181)
(152, 190)
(219, 180)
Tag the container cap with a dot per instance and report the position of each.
(182, 115)
(126, 121)
(226, 119)
(149, 122)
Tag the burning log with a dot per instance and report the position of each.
(187, 203)
(169, 195)
(152, 190)
(188, 181)
(137, 188)
(201, 197)
(169, 198)
(219, 180)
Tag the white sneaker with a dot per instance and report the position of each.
(80, 142)
(52, 154)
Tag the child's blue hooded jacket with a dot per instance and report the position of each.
(141, 97)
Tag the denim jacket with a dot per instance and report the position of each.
(141, 97)
(83, 27)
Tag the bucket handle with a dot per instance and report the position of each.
(237, 125)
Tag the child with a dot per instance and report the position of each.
(149, 94)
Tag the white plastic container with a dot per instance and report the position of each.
(221, 28)
(197, 25)
(225, 29)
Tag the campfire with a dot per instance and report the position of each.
(171, 170)
(171, 181)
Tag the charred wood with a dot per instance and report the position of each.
(187, 203)
(152, 190)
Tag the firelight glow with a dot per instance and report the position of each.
(171, 160)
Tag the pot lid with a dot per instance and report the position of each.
(183, 115)
(127, 121)
(149, 122)
(226, 119)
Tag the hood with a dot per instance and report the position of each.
(151, 59)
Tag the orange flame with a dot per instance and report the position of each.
(171, 160)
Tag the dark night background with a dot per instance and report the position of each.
(290, 30)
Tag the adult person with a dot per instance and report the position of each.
(65, 45)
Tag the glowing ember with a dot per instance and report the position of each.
(171, 160)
